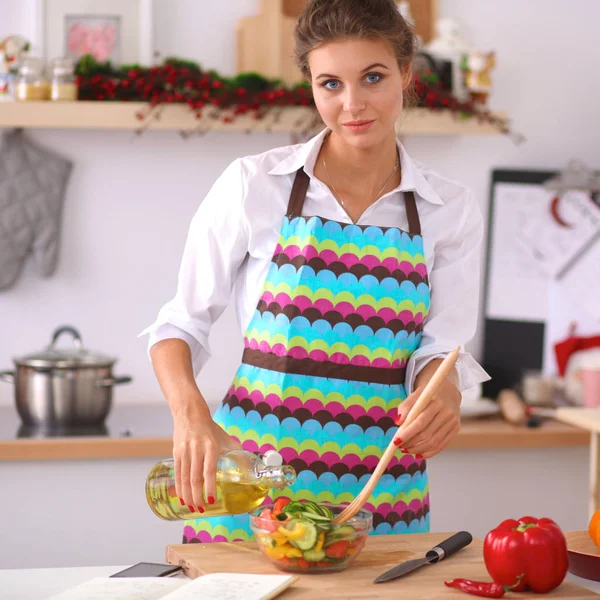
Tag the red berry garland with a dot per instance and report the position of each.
(179, 81)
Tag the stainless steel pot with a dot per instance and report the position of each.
(62, 387)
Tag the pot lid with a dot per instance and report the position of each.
(74, 356)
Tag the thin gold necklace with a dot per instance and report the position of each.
(337, 194)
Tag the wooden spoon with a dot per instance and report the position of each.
(441, 373)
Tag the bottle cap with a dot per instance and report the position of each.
(272, 458)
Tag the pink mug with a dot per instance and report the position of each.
(591, 387)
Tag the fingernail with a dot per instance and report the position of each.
(418, 455)
(200, 509)
(398, 420)
(211, 500)
(397, 441)
(182, 501)
(404, 450)
(191, 508)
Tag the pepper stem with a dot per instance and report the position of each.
(508, 588)
(525, 526)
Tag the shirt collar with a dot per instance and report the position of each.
(305, 155)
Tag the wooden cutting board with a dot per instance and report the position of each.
(379, 554)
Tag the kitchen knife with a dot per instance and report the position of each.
(446, 548)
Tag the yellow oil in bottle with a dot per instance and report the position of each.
(234, 495)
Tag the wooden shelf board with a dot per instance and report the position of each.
(122, 115)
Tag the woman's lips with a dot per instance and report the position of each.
(358, 126)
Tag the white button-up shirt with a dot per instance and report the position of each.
(234, 232)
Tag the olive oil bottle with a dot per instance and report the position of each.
(243, 482)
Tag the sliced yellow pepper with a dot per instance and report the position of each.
(320, 542)
(293, 553)
(293, 534)
(277, 553)
(280, 541)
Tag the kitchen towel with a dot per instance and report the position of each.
(33, 181)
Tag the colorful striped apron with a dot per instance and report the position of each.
(322, 373)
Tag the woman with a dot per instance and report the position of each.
(333, 247)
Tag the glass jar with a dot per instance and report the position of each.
(31, 82)
(64, 82)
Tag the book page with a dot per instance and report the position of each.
(122, 588)
(233, 586)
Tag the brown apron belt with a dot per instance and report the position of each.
(313, 368)
(300, 187)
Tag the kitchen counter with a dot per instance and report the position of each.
(379, 554)
(39, 584)
(138, 430)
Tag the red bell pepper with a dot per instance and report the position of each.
(535, 549)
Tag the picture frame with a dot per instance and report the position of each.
(115, 30)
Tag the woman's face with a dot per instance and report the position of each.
(358, 87)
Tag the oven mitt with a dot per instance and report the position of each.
(32, 189)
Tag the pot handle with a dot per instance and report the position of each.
(110, 381)
(66, 329)
(8, 376)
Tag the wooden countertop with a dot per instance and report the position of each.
(134, 431)
(380, 553)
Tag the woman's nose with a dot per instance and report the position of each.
(354, 100)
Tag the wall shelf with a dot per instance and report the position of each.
(122, 115)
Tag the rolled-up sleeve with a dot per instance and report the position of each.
(216, 246)
(452, 318)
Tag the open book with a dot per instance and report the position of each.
(215, 586)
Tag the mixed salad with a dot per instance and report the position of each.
(301, 535)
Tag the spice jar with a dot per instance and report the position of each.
(31, 83)
(64, 83)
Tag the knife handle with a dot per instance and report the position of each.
(450, 546)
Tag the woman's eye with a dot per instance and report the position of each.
(373, 77)
(331, 84)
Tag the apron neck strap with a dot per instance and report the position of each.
(300, 187)
(298, 194)
(412, 214)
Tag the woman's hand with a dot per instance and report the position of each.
(197, 443)
(437, 425)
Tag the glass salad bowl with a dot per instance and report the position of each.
(300, 537)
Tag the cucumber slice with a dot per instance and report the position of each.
(293, 507)
(343, 533)
(314, 516)
(309, 538)
(313, 555)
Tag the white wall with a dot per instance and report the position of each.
(130, 200)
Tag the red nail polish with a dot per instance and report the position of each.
(398, 420)
(200, 509)
(191, 509)
(404, 450)
(397, 441)
(418, 455)
(211, 500)
(182, 501)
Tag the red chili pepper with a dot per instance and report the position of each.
(486, 589)
(535, 548)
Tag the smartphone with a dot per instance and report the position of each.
(146, 569)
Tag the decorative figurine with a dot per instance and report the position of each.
(448, 49)
(477, 75)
